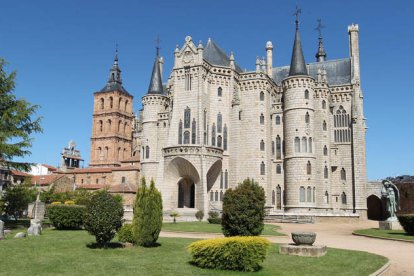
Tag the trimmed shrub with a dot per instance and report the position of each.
(66, 216)
(103, 217)
(213, 217)
(69, 202)
(147, 220)
(125, 233)
(199, 215)
(244, 210)
(407, 222)
(234, 253)
(56, 203)
(174, 215)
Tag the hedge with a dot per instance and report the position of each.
(232, 253)
(214, 217)
(66, 216)
(125, 233)
(407, 222)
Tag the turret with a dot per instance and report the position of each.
(320, 54)
(353, 31)
(269, 58)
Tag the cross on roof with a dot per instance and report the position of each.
(319, 27)
(297, 12)
(158, 41)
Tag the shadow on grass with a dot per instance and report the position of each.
(152, 245)
(111, 245)
(401, 234)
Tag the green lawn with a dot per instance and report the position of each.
(392, 234)
(66, 253)
(205, 227)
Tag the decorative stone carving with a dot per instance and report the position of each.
(303, 238)
(35, 228)
(391, 195)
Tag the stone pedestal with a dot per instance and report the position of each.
(35, 228)
(390, 225)
(303, 250)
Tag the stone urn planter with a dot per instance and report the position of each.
(303, 238)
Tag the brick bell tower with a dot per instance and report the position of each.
(111, 140)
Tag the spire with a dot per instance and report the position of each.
(155, 86)
(320, 55)
(297, 65)
(115, 72)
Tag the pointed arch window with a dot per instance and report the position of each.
(297, 144)
(302, 194)
(310, 144)
(193, 132)
(211, 196)
(343, 198)
(102, 103)
(307, 118)
(343, 174)
(262, 119)
(219, 122)
(278, 197)
(111, 102)
(277, 120)
(225, 137)
(309, 194)
(119, 103)
(306, 94)
(220, 92)
(304, 144)
(216, 196)
(221, 195)
(273, 197)
(147, 152)
(100, 125)
(186, 137)
(314, 194)
(273, 147)
(125, 127)
(262, 96)
(119, 125)
(226, 179)
(219, 141)
(126, 105)
(325, 172)
(180, 132)
(278, 169)
(309, 168)
(326, 197)
(325, 150)
(262, 168)
(213, 135)
(262, 145)
(187, 117)
(323, 104)
(278, 148)
(221, 180)
(324, 126)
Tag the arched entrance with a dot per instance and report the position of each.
(375, 210)
(186, 193)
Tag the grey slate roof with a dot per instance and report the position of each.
(338, 71)
(297, 64)
(112, 86)
(155, 86)
(216, 56)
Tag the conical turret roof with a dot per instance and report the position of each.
(155, 86)
(297, 64)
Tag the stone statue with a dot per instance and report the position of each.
(391, 195)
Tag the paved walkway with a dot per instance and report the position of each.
(339, 235)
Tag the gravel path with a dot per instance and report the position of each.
(339, 235)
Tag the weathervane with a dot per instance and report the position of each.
(158, 41)
(297, 13)
(319, 27)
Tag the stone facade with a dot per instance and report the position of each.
(300, 136)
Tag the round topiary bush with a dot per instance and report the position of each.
(199, 215)
(244, 210)
(125, 233)
(407, 222)
(214, 217)
(65, 217)
(103, 217)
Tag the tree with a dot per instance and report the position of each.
(243, 210)
(16, 199)
(147, 220)
(103, 217)
(16, 124)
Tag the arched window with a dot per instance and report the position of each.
(325, 150)
(304, 144)
(262, 168)
(306, 94)
(219, 141)
(314, 194)
(147, 152)
(125, 127)
(262, 145)
(106, 153)
(225, 137)
(343, 174)
(226, 179)
(309, 194)
(119, 154)
(297, 144)
(278, 197)
(97, 181)
(187, 117)
(213, 135)
(99, 152)
(302, 194)
(180, 132)
(111, 102)
(277, 120)
(261, 96)
(221, 180)
(126, 105)
(221, 195)
(326, 197)
(186, 137)
(216, 196)
(323, 104)
(325, 172)
(278, 148)
(307, 120)
(343, 198)
(324, 126)
(273, 197)
(102, 103)
(211, 196)
(308, 168)
(119, 125)
(240, 115)
(100, 125)
(342, 121)
(278, 169)
(262, 119)
(119, 103)
(193, 132)
(219, 92)
(310, 144)
(219, 123)
(273, 147)
(123, 179)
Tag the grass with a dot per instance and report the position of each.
(391, 234)
(67, 253)
(205, 227)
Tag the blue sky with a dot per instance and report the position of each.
(62, 51)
